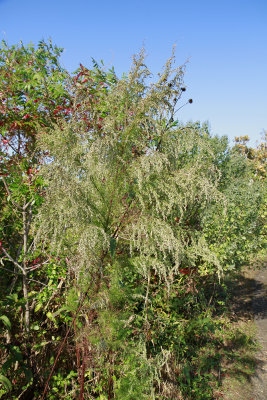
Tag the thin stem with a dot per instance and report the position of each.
(24, 272)
(12, 260)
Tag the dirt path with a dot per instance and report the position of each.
(259, 308)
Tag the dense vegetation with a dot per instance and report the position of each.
(119, 226)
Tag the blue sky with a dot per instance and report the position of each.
(225, 42)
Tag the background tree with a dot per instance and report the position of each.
(257, 155)
(35, 92)
(32, 86)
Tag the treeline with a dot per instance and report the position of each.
(118, 227)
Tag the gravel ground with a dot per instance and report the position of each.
(259, 307)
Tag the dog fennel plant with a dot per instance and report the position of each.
(139, 203)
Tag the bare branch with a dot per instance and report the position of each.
(30, 203)
(29, 279)
(12, 260)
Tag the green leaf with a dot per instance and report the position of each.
(36, 327)
(112, 246)
(6, 321)
(13, 297)
(5, 382)
(38, 306)
(50, 316)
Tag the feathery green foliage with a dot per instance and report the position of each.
(152, 211)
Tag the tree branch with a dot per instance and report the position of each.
(12, 260)
(16, 273)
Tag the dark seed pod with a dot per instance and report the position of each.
(190, 101)
(183, 89)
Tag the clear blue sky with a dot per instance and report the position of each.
(226, 42)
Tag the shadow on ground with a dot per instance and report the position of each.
(250, 304)
(249, 298)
